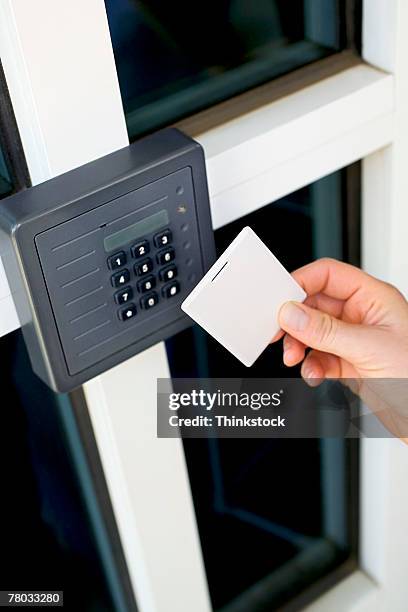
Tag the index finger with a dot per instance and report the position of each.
(331, 277)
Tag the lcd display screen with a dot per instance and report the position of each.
(136, 230)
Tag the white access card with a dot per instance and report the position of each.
(239, 298)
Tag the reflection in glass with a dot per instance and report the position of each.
(5, 181)
(52, 536)
(274, 516)
(175, 58)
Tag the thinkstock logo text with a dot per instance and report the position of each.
(224, 421)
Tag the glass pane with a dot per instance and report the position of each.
(51, 530)
(274, 516)
(175, 58)
(6, 186)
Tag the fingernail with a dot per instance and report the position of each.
(309, 373)
(293, 316)
(287, 356)
(312, 381)
(310, 377)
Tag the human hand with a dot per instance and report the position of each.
(357, 328)
(356, 325)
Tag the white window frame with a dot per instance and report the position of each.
(59, 66)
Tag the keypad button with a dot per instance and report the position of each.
(124, 295)
(168, 273)
(166, 256)
(146, 284)
(117, 260)
(171, 289)
(120, 278)
(127, 313)
(150, 300)
(144, 267)
(140, 249)
(163, 239)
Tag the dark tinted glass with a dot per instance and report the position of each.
(175, 58)
(52, 533)
(6, 186)
(274, 516)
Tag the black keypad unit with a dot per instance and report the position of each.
(148, 273)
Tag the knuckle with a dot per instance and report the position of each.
(328, 260)
(324, 330)
(394, 292)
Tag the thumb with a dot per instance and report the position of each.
(321, 331)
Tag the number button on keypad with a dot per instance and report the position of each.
(127, 313)
(168, 273)
(146, 284)
(117, 260)
(150, 300)
(120, 278)
(140, 249)
(163, 239)
(166, 256)
(171, 289)
(124, 295)
(144, 267)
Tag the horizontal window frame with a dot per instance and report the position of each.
(296, 140)
(317, 154)
(257, 97)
